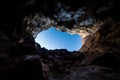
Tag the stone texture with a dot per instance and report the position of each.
(96, 21)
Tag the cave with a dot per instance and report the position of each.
(96, 21)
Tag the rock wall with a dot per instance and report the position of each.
(96, 21)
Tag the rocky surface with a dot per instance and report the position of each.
(96, 21)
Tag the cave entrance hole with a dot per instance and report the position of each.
(52, 39)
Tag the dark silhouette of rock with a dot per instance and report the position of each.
(96, 21)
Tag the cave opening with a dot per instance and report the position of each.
(52, 39)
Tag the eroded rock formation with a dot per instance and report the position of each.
(96, 21)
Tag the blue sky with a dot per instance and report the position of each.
(55, 39)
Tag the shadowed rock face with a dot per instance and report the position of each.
(97, 21)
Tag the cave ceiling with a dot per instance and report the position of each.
(83, 17)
